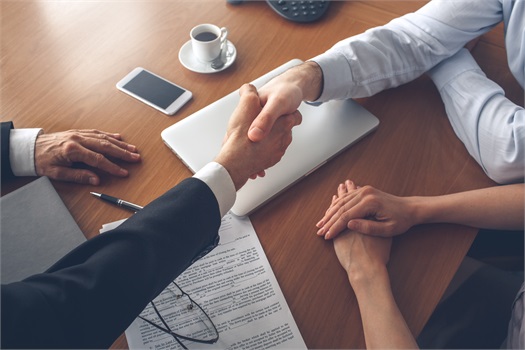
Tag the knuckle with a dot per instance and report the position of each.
(367, 190)
(56, 173)
(70, 147)
(105, 144)
(78, 177)
(298, 117)
(98, 158)
(74, 136)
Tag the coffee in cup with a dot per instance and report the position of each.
(207, 41)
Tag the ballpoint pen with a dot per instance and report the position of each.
(119, 202)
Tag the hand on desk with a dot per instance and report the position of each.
(364, 259)
(357, 252)
(246, 159)
(56, 153)
(370, 211)
(366, 210)
(283, 94)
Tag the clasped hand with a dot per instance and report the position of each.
(366, 210)
(244, 158)
(362, 256)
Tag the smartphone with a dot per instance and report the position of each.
(154, 91)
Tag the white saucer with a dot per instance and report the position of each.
(192, 63)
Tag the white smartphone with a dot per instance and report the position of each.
(154, 91)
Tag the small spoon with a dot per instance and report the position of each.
(218, 63)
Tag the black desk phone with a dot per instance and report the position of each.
(296, 11)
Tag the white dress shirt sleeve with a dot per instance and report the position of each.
(491, 126)
(402, 50)
(220, 183)
(22, 151)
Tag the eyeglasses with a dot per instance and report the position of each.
(175, 313)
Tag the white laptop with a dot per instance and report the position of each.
(326, 130)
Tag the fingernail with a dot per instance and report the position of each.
(123, 172)
(328, 235)
(256, 133)
(320, 232)
(93, 181)
(132, 148)
(135, 155)
(320, 224)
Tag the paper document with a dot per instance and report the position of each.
(236, 287)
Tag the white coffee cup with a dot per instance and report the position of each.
(207, 40)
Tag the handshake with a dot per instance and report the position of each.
(261, 126)
(244, 158)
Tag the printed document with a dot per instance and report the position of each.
(236, 287)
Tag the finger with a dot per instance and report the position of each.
(81, 176)
(350, 185)
(369, 227)
(334, 207)
(110, 147)
(248, 108)
(273, 110)
(116, 141)
(86, 132)
(342, 190)
(96, 160)
(338, 221)
(346, 200)
(297, 118)
(248, 88)
(262, 124)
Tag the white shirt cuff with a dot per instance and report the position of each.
(220, 183)
(336, 74)
(22, 151)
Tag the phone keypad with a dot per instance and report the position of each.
(300, 11)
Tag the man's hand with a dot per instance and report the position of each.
(56, 153)
(283, 94)
(242, 157)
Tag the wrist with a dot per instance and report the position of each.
(308, 77)
(421, 210)
(371, 276)
(238, 177)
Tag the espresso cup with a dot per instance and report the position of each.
(207, 40)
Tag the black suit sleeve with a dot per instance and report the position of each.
(5, 128)
(89, 297)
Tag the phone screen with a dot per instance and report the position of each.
(154, 89)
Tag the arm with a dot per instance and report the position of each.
(490, 125)
(371, 211)
(382, 57)
(364, 259)
(29, 152)
(402, 50)
(89, 297)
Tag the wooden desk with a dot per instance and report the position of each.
(59, 65)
